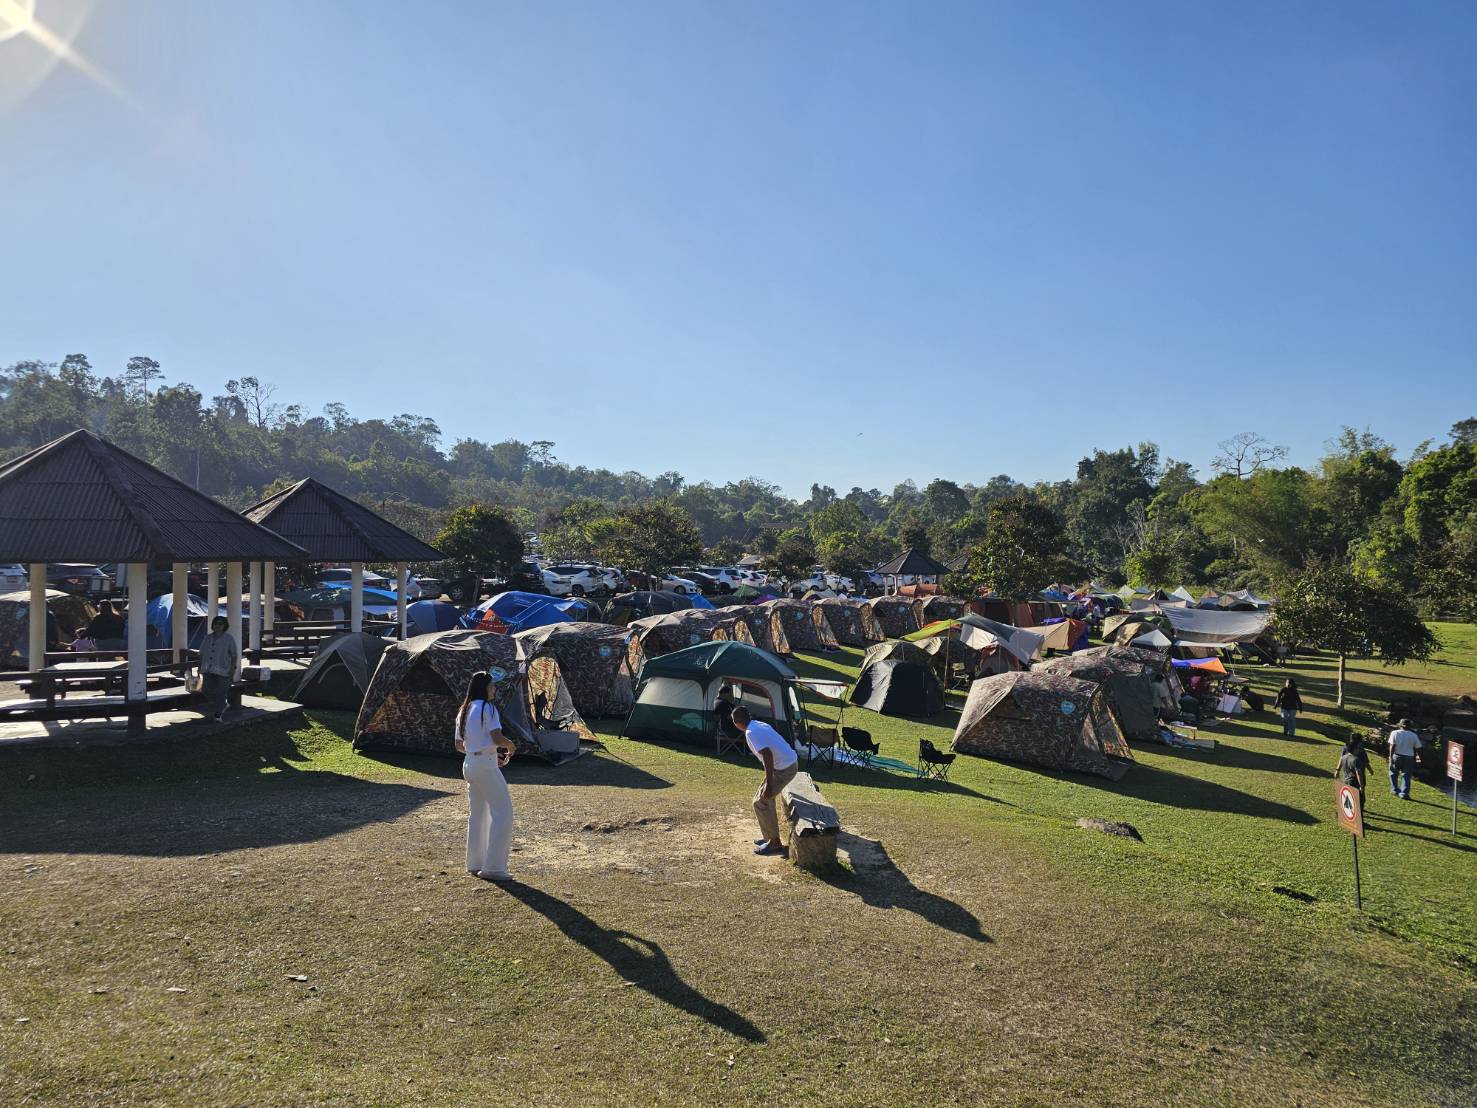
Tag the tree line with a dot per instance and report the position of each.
(1126, 514)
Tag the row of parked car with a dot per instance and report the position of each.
(587, 579)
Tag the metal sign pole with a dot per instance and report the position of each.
(1358, 901)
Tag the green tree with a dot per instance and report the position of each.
(481, 538)
(140, 372)
(1271, 519)
(1021, 551)
(1331, 606)
(794, 556)
(652, 537)
(1107, 484)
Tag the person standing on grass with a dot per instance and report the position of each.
(1353, 767)
(780, 765)
(218, 657)
(1289, 702)
(479, 736)
(1404, 742)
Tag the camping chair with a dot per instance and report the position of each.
(932, 762)
(860, 743)
(959, 677)
(823, 738)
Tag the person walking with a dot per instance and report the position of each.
(780, 765)
(1353, 767)
(218, 657)
(1289, 702)
(479, 736)
(1404, 742)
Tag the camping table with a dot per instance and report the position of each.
(56, 679)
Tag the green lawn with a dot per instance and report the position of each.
(979, 948)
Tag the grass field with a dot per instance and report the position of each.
(978, 948)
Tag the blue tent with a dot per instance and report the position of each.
(161, 618)
(519, 611)
(699, 600)
(426, 617)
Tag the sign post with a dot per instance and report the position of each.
(1351, 818)
(1455, 757)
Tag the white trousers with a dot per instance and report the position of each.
(489, 814)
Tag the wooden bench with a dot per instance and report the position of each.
(111, 707)
(814, 825)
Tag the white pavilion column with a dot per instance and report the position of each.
(212, 592)
(179, 625)
(356, 596)
(233, 608)
(36, 640)
(138, 630)
(256, 607)
(402, 582)
(269, 604)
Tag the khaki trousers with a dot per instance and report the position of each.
(769, 824)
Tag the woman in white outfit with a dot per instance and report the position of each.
(479, 735)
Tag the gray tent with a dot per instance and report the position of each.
(339, 673)
(1127, 681)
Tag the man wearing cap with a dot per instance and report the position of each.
(1404, 742)
(780, 764)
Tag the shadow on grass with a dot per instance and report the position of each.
(637, 960)
(880, 884)
(1238, 757)
(843, 773)
(1145, 782)
(594, 768)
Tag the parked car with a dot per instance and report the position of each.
(13, 578)
(79, 580)
(571, 579)
(341, 576)
(706, 583)
(728, 577)
(666, 582)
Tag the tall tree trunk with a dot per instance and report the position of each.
(1341, 681)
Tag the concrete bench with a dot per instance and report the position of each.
(814, 825)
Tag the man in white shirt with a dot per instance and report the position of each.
(780, 765)
(1404, 742)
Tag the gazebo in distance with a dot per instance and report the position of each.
(911, 563)
(79, 498)
(333, 528)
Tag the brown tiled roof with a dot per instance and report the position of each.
(82, 499)
(333, 528)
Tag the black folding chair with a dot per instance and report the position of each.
(933, 763)
(860, 743)
(823, 739)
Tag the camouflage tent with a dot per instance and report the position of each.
(1042, 719)
(599, 663)
(851, 622)
(947, 650)
(418, 686)
(65, 616)
(943, 607)
(1130, 694)
(897, 615)
(663, 634)
(803, 626)
(765, 627)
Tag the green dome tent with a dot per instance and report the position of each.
(679, 691)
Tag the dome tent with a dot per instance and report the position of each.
(511, 612)
(631, 606)
(599, 663)
(898, 615)
(426, 617)
(413, 697)
(804, 629)
(679, 692)
(898, 679)
(1130, 693)
(664, 634)
(65, 616)
(339, 674)
(1042, 719)
(765, 626)
(852, 622)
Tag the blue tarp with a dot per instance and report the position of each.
(426, 617)
(520, 611)
(699, 600)
(161, 618)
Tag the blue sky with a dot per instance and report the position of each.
(836, 242)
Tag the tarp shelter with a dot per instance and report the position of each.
(1244, 600)
(334, 602)
(1201, 665)
(426, 617)
(980, 633)
(599, 663)
(339, 674)
(161, 619)
(1184, 594)
(1043, 719)
(1152, 640)
(511, 612)
(898, 679)
(418, 686)
(1206, 626)
(65, 616)
(679, 691)
(851, 622)
(631, 606)
(1130, 693)
(804, 629)
(897, 615)
(664, 634)
(942, 641)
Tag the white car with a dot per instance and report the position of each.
(13, 578)
(728, 577)
(343, 576)
(673, 583)
(578, 580)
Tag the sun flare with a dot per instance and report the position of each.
(18, 17)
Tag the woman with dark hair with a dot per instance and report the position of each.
(1353, 768)
(106, 629)
(479, 736)
(1289, 702)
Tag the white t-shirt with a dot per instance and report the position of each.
(482, 721)
(1404, 742)
(761, 736)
